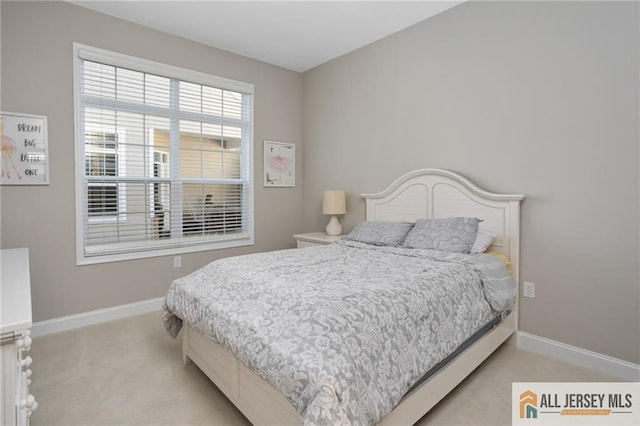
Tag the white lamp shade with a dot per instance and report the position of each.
(334, 202)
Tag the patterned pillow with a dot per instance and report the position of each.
(455, 234)
(380, 233)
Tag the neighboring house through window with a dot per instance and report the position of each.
(101, 156)
(164, 158)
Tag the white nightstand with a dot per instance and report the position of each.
(315, 239)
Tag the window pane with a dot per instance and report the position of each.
(190, 97)
(212, 209)
(134, 137)
(101, 164)
(99, 121)
(212, 100)
(206, 151)
(132, 203)
(99, 80)
(101, 140)
(161, 210)
(103, 200)
(129, 85)
(157, 90)
(223, 208)
(232, 104)
(110, 82)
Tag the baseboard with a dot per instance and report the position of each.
(618, 368)
(56, 325)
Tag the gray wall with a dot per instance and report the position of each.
(37, 78)
(533, 98)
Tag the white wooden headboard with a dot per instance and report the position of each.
(432, 193)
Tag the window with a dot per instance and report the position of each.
(164, 159)
(102, 160)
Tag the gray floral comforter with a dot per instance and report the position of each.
(342, 330)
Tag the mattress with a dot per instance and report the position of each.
(343, 331)
(470, 341)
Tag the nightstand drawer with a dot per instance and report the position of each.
(314, 239)
(302, 244)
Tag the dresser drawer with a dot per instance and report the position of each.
(16, 364)
(15, 338)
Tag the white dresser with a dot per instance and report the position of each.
(15, 323)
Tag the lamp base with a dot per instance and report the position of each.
(334, 228)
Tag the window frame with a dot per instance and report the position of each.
(156, 248)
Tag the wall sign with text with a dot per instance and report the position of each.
(24, 158)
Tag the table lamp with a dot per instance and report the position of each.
(334, 203)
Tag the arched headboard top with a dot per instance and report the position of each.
(436, 193)
(445, 174)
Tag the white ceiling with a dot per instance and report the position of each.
(297, 35)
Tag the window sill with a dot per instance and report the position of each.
(194, 245)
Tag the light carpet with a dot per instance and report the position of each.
(130, 372)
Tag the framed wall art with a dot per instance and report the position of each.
(24, 156)
(279, 164)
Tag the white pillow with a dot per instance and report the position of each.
(484, 238)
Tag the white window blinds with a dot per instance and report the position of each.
(164, 158)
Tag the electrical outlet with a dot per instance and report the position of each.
(529, 290)
(177, 261)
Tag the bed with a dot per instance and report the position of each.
(260, 395)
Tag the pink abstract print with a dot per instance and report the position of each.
(279, 164)
(7, 151)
